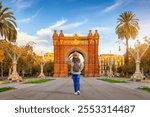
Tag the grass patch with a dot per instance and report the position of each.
(6, 89)
(144, 89)
(111, 80)
(37, 81)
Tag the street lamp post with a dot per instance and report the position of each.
(110, 66)
(15, 76)
(41, 63)
(41, 73)
(138, 76)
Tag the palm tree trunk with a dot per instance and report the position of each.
(127, 58)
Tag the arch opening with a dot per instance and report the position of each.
(81, 57)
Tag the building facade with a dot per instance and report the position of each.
(49, 57)
(107, 60)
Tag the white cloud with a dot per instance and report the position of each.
(49, 30)
(72, 25)
(44, 49)
(22, 4)
(117, 4)
(27, 20)
(59, 25)
(23, 38)
(103, 29)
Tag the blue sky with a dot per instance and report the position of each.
(36, 20)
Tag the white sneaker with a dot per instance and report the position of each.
(78, 92)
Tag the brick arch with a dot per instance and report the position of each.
(86, 45)
(81, 51)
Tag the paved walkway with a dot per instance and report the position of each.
(62, 89)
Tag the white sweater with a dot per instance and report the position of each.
(81, 66)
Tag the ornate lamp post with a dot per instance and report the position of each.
(42, 63)
(15, 76)
(42, 73)
(138, 76)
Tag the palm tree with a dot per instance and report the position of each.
(127, 28)
(7, 24)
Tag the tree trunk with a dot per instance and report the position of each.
(10, 70)
(23, 72)
(1, 69)
(127, 58)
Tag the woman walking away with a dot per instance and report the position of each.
(76, 68)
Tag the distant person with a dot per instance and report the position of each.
(76, 68)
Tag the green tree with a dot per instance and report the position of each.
(127, 28)
(6, 63)
(7, 24)
(145, 60)
(49, 68)
(25, 62)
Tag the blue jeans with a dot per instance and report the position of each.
(76, 82)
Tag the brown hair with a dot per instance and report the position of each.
(75, 60)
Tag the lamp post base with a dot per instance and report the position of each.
(15, 77)
(137, 76)
(41, 76)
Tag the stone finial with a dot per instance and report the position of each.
(90, 35)
(61, 33)
(96, 35)
(75, 36)
(55, 35)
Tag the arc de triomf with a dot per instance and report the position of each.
(87, 46)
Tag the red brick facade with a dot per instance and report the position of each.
(66, 45)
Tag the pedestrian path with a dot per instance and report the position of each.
(17, 85)
(62, 89)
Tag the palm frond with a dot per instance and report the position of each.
(127, 25)
(7, 24)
